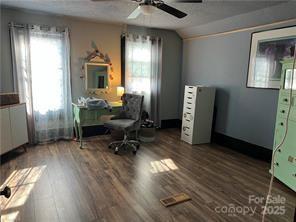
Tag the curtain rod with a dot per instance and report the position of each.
(137, 36)
(19, 25)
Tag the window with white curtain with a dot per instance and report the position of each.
(143, 60)
(47, 72)
(139, 60)
(42, 78)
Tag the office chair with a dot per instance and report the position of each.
(128, 120)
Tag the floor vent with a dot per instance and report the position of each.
(175, 199)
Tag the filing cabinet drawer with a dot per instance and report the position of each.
(188, 116)
(187, 129)
(186, 137)
(188, 109)
(188, 120)
(187, 124)
(189, 103)
(189, 99)
(190, 90)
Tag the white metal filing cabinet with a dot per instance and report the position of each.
(198, 111)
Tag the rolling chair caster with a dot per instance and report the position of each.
(6, 192)
(134, 152)
(116, 150)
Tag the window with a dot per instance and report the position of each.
(47, 72)
(42, 73)
(139, 67)
(143, 59)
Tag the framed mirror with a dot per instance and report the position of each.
(96, 75)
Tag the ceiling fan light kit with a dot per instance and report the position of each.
(148, 7)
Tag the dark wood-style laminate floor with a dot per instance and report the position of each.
(60, 182)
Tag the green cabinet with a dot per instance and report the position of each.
(285, 157)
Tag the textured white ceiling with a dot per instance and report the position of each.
(117, 11)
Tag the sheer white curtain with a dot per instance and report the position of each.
(143, 71)
(42, 78)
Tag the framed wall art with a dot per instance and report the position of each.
(268, 49)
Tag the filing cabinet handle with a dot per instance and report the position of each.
(281, 123)
(283, 111)
(277, 164)
(286, 100)
(279, 150)
(185, 127)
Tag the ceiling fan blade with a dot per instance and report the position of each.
(171, 10)
(135, 13)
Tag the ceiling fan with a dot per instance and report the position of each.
(147, 7)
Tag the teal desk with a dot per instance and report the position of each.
(91, 117)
